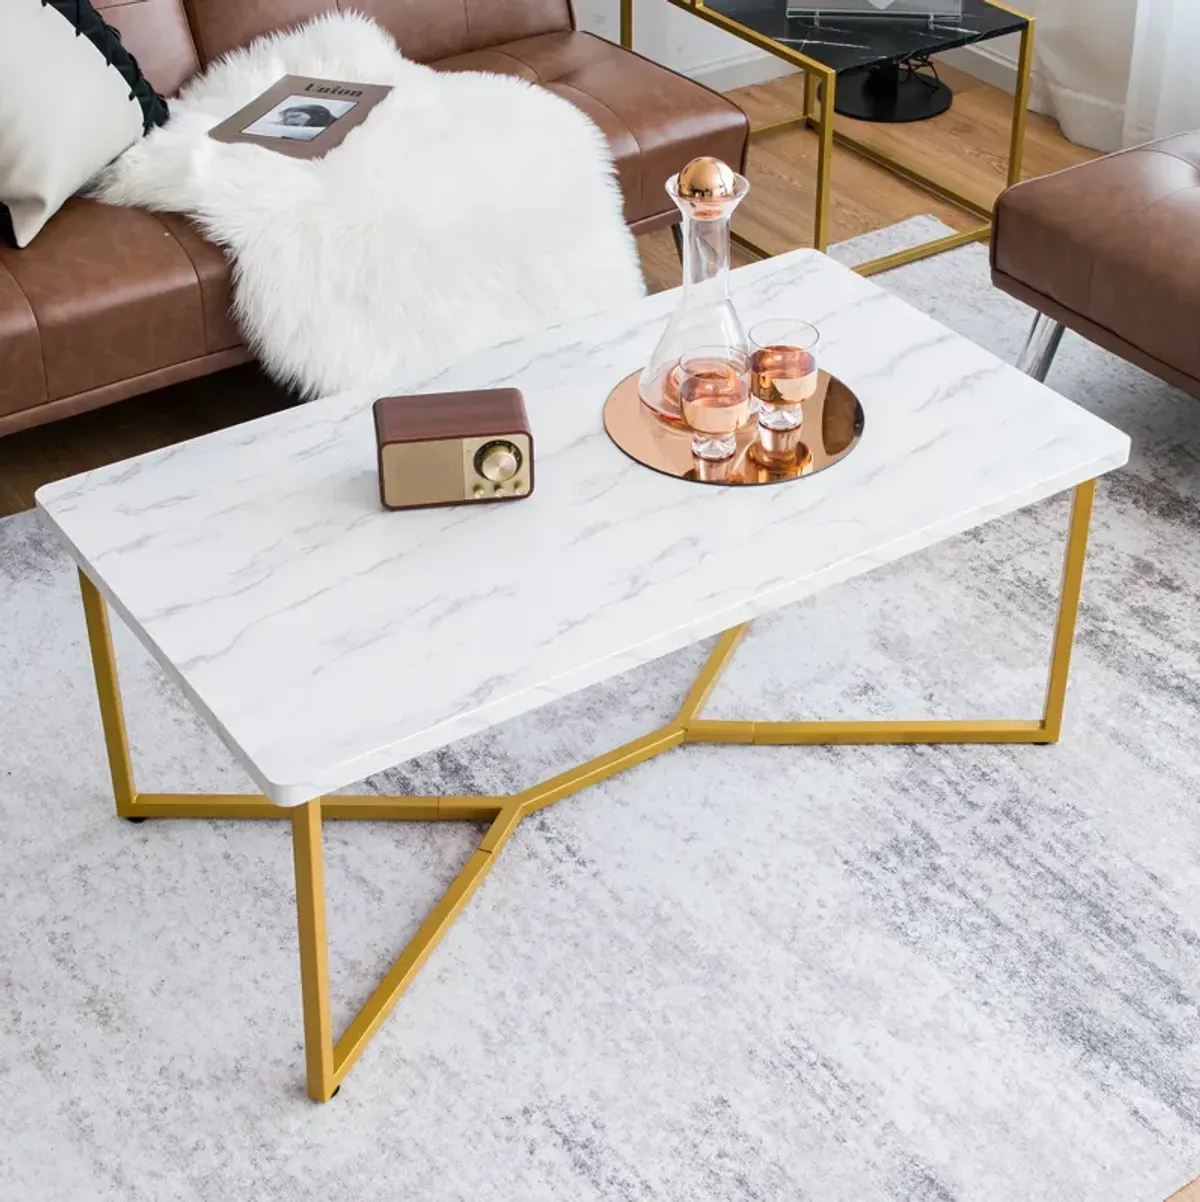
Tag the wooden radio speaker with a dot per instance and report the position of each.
(453, 448)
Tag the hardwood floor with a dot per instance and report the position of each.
(966, 146)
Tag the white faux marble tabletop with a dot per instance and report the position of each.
(325, 638)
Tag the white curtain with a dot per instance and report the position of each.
(1081, 69)
(1164, 78)
(1117, 72)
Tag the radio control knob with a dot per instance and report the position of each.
(498, 461)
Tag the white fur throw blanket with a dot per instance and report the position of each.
(468, 209)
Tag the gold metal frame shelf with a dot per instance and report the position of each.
(832, 428)
(820, 84)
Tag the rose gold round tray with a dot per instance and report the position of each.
(832, 427)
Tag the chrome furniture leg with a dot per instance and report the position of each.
(1040, 347)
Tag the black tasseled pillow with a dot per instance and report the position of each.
(72, 98)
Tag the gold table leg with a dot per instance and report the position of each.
(314, 948)
(1068, 609)
(1016, 150)
(108, 690)
(328, 1059)
(825, 133)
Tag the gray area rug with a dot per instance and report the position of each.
(732, 973)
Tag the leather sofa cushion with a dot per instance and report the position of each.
(22, 375)
(655, 120)
(1117, 242)
(114, 293)
(156, 33)
(424, 30)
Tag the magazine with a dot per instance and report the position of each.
(302, 117)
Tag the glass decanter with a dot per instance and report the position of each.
(706, 192)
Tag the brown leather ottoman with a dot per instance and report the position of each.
(1110, 249)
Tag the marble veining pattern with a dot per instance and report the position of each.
(326, 639)
(845, 974)
(853, 43)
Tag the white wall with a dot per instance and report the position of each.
(1081, 68)
(683, 42)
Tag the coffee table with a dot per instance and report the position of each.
(324, 639)
(845, 54)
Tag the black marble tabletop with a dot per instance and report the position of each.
(855, 43)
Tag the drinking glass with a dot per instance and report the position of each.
(784, 370)
(714, 396)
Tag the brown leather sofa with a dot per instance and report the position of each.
(106, 303)
(1110, 249)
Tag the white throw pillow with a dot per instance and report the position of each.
(71, 99)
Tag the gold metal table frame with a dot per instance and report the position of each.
(820, 86)
(329, 1059)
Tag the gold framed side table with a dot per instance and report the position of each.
(826, 48)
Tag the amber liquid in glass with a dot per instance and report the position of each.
(715, 397)
(782, 377)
